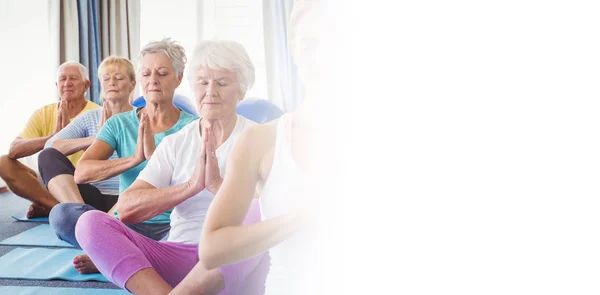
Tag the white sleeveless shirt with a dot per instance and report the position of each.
(290, 260)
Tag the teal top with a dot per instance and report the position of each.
(121, 132)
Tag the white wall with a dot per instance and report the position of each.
(27, 75)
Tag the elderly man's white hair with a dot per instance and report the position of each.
(225, 55)
(82, 69)
(171, 49)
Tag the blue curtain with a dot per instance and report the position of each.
(89, 44)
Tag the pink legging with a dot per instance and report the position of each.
(119, 252)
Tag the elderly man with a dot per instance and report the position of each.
(72, 83)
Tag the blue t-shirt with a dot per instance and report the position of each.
(121, 133)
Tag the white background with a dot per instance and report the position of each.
(475, 161)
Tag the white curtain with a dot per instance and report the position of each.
(283, 82)
(64, 31)
(120, 28)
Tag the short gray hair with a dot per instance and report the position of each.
(171, 49)
(226, 55)
(82, 69)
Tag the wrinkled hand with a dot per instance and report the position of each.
(66, 118)
(62, 112)
(149, 146)
(197, 181)
(138, 156)
(105, 114)
(212, 180)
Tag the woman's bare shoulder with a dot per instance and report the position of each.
(261, 135)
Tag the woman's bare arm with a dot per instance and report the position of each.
(224, 239)
(142, 201)
(94, 164)
(71, 146)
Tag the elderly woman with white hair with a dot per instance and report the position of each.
(185, 173)
(289, 159)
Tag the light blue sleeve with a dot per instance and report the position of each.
(75, 129)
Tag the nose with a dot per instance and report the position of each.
(153, 79)
(210, 90)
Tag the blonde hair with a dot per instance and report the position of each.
(119, 62)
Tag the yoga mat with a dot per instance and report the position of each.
(43, 264)
(26, 290)
(41, 235)
(23, 217)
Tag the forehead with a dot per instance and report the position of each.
(69, 71)
(113, 68)
(155, 60)
(204, 72)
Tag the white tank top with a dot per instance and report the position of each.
(283, 188)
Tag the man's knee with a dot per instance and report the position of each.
(7, 165)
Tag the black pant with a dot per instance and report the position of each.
(51, 163)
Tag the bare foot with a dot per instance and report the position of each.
(83, 264)
(37, 210)
(3, 189)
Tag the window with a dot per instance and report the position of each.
(190, 21)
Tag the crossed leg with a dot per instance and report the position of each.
(23, 182)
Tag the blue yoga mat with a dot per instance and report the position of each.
(23, 217)
(26, 290)
(43, 264)
(41, 235)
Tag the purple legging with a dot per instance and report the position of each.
(119, 252)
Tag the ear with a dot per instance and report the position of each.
(179, 79)
(87, 86)
(133, 83)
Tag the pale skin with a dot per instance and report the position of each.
(224, 239)
(21, 179)
(248, 166)
(159, 81)
(217, 93)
